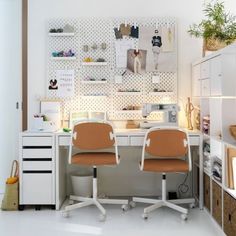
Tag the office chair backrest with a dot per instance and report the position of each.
(166, 143)
(93, 135)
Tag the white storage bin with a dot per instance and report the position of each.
(82, 185)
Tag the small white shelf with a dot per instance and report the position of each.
(61, 34)
(93, 81)
(94, 63)
(128, 93)
(63, 58)
(129, 112)
(161, 93)
(94, 96)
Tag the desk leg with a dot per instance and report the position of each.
(201, 174)
(60, 177)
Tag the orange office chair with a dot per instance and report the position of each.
(167, 149)
(91, 138)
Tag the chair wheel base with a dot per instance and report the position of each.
(145, 216)
(184, 217)
(192, 205)
(132, 204)
(125, 207)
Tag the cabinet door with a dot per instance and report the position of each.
(216, 76)
(217, 202)
(196, 83)
(205, 87)
(207, 201)
(205, 70)
(229, 215)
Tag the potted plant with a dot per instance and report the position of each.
(217, 30)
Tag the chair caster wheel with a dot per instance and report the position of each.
(65, 214)
(192, 205)
(125, 208)
(184, 216)
(145, 216)
(132, 204)
(71, 202)
(102, 217)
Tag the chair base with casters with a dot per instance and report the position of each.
(94, 200)
(173, 204)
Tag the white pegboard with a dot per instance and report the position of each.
(90, 31)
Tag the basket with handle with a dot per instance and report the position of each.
(10, 200)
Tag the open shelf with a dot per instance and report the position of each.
(129, 112)
(93, 81)
(94, 63)
(232, 192)
(63, 58)
(128, 93)
(61, 34)
(161, 93)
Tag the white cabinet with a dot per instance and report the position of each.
(205, 70)
(37, 170)
(205, 87)
(196, 83)
(216, 76)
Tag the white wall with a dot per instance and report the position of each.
(10, 79)
(185, 11)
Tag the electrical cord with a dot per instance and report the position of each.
(183, 187)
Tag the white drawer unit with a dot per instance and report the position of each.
(205, 70)
(205, 87)
(37, 170)
(136, 140)
(122, 140)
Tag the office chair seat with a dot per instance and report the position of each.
(94, 158)
(165, 165)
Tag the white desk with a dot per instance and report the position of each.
(125, 137)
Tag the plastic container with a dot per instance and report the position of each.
(82, 185)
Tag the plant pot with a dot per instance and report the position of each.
(212, 44)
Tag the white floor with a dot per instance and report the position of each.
(85, 222)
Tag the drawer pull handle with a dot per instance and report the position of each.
(37, 172)
(229, 217)
(37, 159)
(217, 202)
(37, 147)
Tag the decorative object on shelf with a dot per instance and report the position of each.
(206, 124)
(131, 124)
(85, 48)
(69, 53)
(217, 30)
(131, 108)
(94, 46)
(188, 112)
(88, 59)
(68, 29)
(103, 46)
(232, 130)
(59, 30)
(128, 91)
(217, 169)
(100, 60)
(197, 118)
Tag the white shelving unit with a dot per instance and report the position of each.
(94, 63)
(61, 34)
(93, 81)
(63, 58)
(161, 93)
(128, 112)
(128, 93)
(214, 90)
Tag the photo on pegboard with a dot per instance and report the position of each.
(136, 60)
(160, 45)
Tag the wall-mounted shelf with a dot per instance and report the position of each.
(94, 63)
(61, 34)
(128, 93)
(63, 58)
(161, 93)
(93, 81)
(129, 112)
(94, 96)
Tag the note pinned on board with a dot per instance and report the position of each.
(66, 81)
